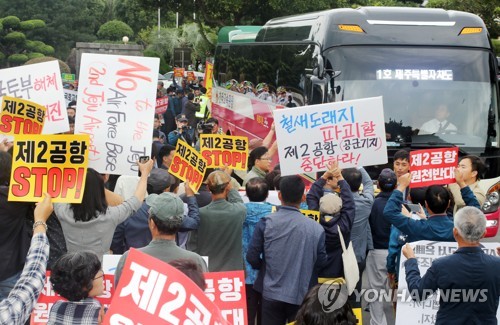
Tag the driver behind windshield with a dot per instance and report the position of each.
(439, 124)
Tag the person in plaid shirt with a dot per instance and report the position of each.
(17, 307)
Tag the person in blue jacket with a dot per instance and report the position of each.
(438, 226)
(334, 211)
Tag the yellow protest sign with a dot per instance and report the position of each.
(224, 150)
(21, 116)
(179, 72)
(188, 164)
(209, 73)
(311, 214)
(56, 164)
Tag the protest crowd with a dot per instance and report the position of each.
(247, 220)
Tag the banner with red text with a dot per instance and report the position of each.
(224, 150)
(161, 105)
(227, 291)
(350, 132)
(40, 83)
(151, 292)
(53, 164)
(188, 164)
(433, 166)
(116, 106)
(21, 116)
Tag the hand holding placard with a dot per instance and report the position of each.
(404, 182)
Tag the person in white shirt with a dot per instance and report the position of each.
(440, 124)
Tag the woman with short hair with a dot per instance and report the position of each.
(77, 277)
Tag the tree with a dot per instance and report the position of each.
(15, 44)
(488, 10)
(114, 31)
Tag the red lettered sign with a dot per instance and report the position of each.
(433, 166)
(227, 291)
(161, 105)
(153, 292)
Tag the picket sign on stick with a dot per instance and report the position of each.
(224, 150)
(350, 132)
(188, 164)
(40, 83)
(116, 106)
(53, 164)
(21, 116)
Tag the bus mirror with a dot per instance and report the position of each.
(319, 67)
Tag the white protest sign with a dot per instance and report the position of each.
(411, 312)
(350, 132)
(42, 84)
(70, 95)
(116, 106)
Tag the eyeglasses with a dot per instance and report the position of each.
(100, 276)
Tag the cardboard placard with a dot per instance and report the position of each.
(21, 116)
(188, 164)
(224, 150)
(433, 166)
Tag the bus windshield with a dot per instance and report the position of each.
(431, 96)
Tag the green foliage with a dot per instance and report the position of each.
(2, 56)
(164, 67)
(47, 50)
(488, 10)
(32, 24)
(114, 30)
(17, 59)
(496, 46)
(34, 55)
(62, 65)
(15, 38)
(11, 22)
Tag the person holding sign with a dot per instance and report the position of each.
(93, 216)
(438, 226)
(335, 211)
(468, 280)
(16, 308)
(219, 235)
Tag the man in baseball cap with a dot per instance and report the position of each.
(165, 219)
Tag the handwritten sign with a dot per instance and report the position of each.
(179, 72)
(56, 164)
(161, 105)
(227, 291)
(433, 166)
(152, 292)
(411, 312)
(40, 83)
(350, 132)
(116, 106)
(221, 150)
(41, 309)
(21, 116)
(188, 164)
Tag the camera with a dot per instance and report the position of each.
(205, 128)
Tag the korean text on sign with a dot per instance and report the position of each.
(40, 83)
(224, 150)
(410, 312)
(188, 164)
(350, 132)
(433, 166)
(161, 105)
(153, 292)
(41, 309)
(116, 106)
(21, 116)
(55, 164)
(227, 291)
